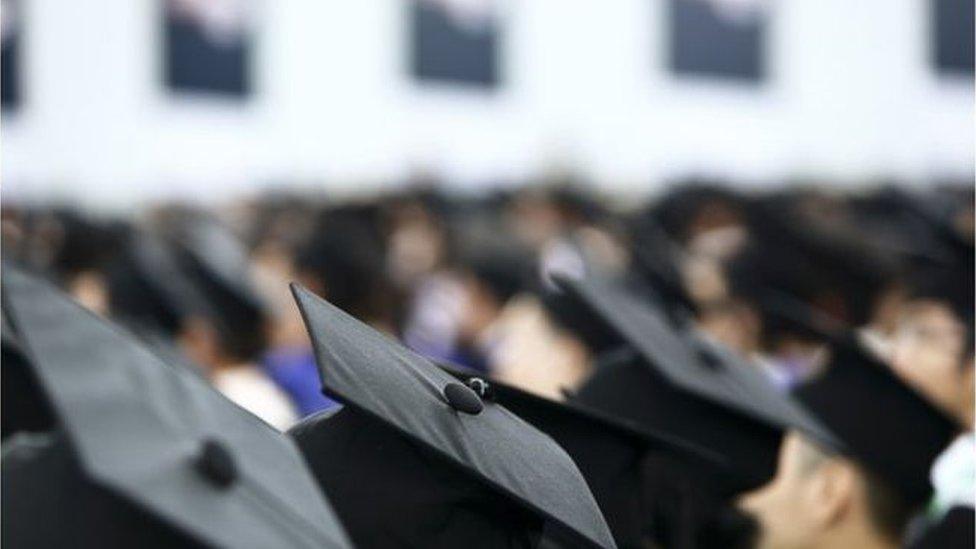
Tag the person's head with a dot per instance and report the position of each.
(930, 352)
(932, 344)
(822, 499)
(343, 260)
(490, 279)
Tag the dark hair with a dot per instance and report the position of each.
(240, 320)
(346, 256)
(888, 509)
(950, 286)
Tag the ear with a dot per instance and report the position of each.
(831, 491)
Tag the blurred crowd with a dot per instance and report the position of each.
(467, 278)
(779, 277)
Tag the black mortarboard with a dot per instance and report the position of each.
(623, 386)
(83, 243)
(150, 436)
(217, 263)
(503, 272)
(887, 221)
(880, 421)
(781, 288)
(685, 385)
(41, 482)
(458, 452)
(149, 291)
(656, 259)
(936, 211)
(650, 486)
(683, 203)
(23, 406)
(820, 263)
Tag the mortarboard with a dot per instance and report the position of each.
(41, 482)
(650, 486)
(145, 435)
(656, 260)
(882, 423)
(149, 291)
(23, 406)
(780, 288)
(680, 383)
(217, 263)
(795, 244)
(412, 437)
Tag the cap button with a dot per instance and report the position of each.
(481, 387)
(216, 464)
(463, 399)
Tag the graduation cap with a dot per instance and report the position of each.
(888, 222)
(140, 435)
(150, 291)
(23, 405)
(217, 263)
(416, 457)
(656, 257)
(649, 485)
(678, 382)
(792, 242)
(41, 482)
(883, 423)
(936, 211)
(780, 289)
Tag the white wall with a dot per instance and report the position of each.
(851, 96)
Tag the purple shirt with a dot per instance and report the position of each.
(293, 369)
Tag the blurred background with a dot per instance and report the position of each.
(112, 103)
(427, 164)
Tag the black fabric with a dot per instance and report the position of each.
(569, 314)
(216, 263)
(685, 360)
(149, 291)
(883, 423)
(780, 287)
(651, 487)
(684, 512)
(23, 405)
(137, 426)
(391, 491)
(49, 503)
(372, 373)
(627, 389)
(798, 252)
(656, 261)
(955, 530)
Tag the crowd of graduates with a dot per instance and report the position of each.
(710, 367)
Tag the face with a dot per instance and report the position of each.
(927, 351)
(785, 507)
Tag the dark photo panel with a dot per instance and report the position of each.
(952, 35)
(10, 32)
(454, 42)
(718, 39)
(207, 46)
